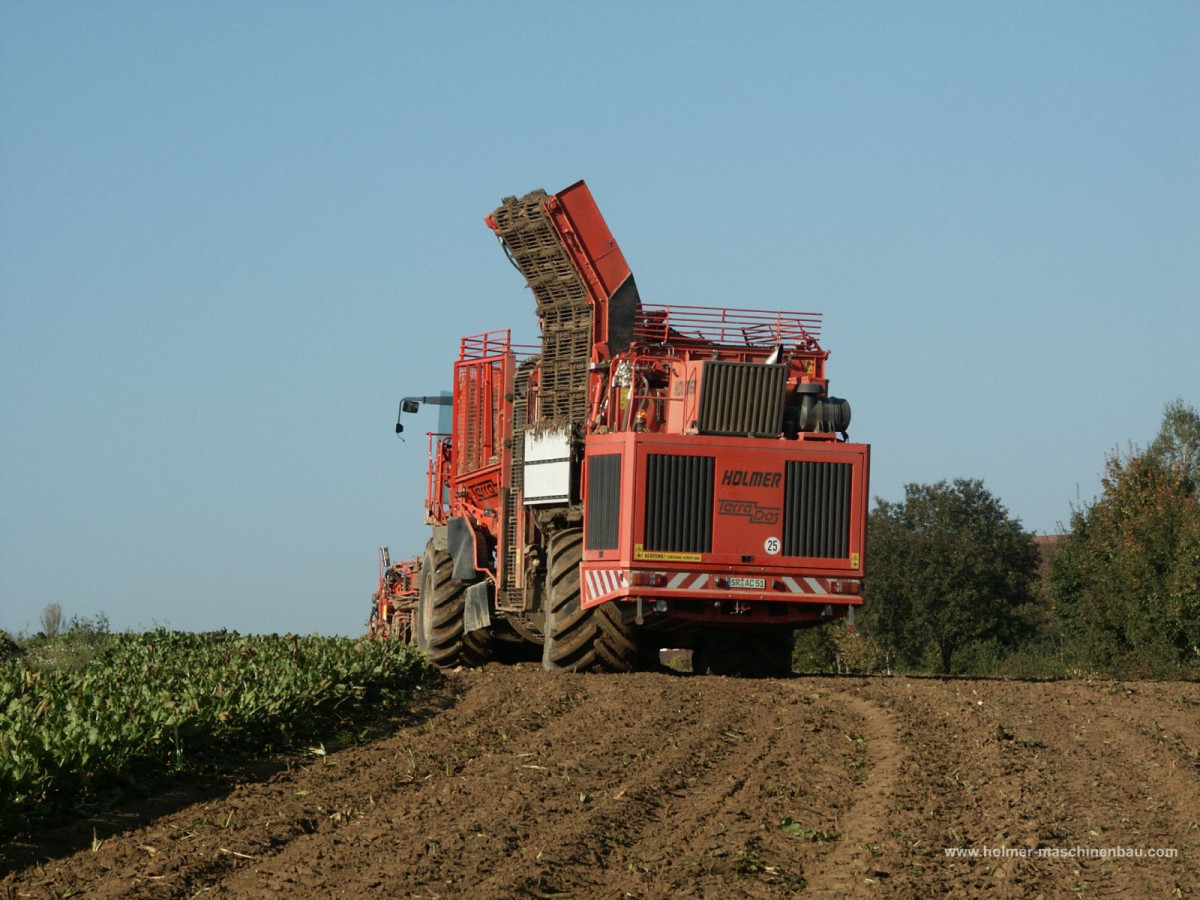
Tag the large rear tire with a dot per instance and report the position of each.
(743, 653)
(576, 639)
(439, 621)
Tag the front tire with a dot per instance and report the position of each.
(439, 622)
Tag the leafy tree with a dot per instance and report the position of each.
(1126, 581)
(948, 568)
(1177, 446)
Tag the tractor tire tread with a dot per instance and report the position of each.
(581, 640)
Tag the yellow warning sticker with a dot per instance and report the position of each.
(854, 560)
(639, 553)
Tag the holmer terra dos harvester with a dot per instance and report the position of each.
(649, 477)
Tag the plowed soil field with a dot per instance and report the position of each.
(513, 783)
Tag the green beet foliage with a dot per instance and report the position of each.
(162, 702)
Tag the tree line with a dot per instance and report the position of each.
(955, 585)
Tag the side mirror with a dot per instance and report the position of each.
(399, 428)
(410, 406)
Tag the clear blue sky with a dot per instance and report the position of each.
(233, 235)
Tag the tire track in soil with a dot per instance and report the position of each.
(852, 867)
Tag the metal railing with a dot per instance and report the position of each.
(729, 327)
(493, 343)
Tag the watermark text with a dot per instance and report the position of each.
(1062, 852)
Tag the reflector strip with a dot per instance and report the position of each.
(602, 582)
(806, 585)
(688, 581)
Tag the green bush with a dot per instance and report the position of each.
(9, 649)
(834, 648)
(814, 651)
(74, 649)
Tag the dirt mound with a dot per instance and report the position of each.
(515, 783)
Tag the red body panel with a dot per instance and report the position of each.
(749, 515)
(588, 241)
(482, 376)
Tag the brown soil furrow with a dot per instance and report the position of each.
(550, 808)
(513, 783)
(1086, 778)
(793, 763)
(1011, 768)
(620, 783)
(480, 780)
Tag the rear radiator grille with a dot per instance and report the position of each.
(603, 509)
(742, 398)
(679, 503)
(816, 516)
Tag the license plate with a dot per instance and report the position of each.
(753, 584)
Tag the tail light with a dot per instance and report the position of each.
(648, 579)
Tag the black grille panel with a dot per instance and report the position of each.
(816, 516)
(603, 502)
(679, 503)
(741, 398)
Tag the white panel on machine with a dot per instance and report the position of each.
(547, 467)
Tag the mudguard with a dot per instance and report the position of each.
(476, 612)
(464, 549)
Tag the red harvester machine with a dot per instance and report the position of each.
(649, 477)
(395, 600)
